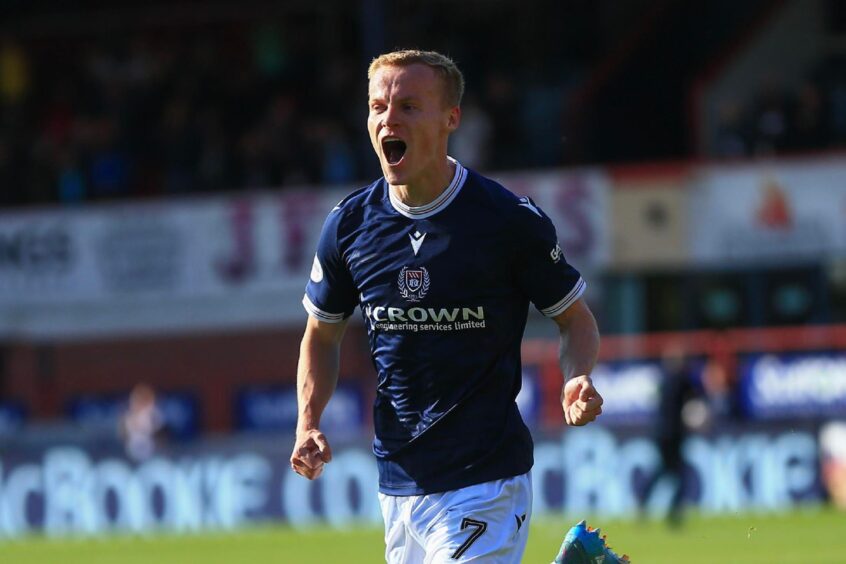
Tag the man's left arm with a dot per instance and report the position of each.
(577, 356)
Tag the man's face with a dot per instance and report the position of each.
(409, 123)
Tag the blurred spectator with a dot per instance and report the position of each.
(719, 392)
(833, 463)
(471, 142)
(142, 426)
(271, 57)
(110, 166)
(541, 116)
(731, 139)
(838, 109)
(11, 172)
(275, 150)
(213, 160)
(179, 145)
(808, 122)
(777, 119)
(14, 72)
(338, 156)
(672, 428)
(2, 372)
(71, 181)
(770, 120)
(11, 416)
(833, 79)
(503, 106)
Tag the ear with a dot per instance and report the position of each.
(453, 118)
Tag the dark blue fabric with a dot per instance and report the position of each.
(445, 325)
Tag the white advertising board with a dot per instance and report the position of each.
(768, 211)
(209, 263)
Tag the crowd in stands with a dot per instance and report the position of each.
(781, 119)
(149, 115)
(143, 114)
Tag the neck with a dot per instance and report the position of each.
(427, 189)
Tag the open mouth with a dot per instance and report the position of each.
(394, 149)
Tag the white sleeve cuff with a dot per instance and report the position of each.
(568, 300)
(319, 314)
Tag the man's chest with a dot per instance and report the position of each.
(429, 261)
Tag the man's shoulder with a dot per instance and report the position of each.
(497, 197)
(358, 199)
(349, 211)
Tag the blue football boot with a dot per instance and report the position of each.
(583, 545)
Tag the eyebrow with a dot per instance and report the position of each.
(398, 100)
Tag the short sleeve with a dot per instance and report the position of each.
(543, 273)
(330, 294)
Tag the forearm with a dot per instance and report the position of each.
(579, 344)
(317, 376)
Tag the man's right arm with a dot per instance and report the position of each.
(317, 375)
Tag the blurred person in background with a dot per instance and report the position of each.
(720, 401)
(770, 120)
(2, 372)
(142, 425)
(833, 461)
(471, 143)
(14, 72)
(808, 127)
(731, 138)
(677, 412)
(443, 264)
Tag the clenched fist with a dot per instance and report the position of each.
(580, 400)
(311, 452)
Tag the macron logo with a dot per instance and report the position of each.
(527, 203)
(416, 241)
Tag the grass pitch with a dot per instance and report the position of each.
(806, 537)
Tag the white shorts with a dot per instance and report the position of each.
(486, 522)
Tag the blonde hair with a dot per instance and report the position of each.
(445, 67)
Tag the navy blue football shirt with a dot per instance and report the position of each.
(444, 290)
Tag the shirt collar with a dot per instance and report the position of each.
(439, 203)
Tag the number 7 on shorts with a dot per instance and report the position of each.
(479, 529)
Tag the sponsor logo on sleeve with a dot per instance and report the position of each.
(316, 271)
(556, 254)
(529, 205)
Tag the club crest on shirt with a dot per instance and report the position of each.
(413, 283)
